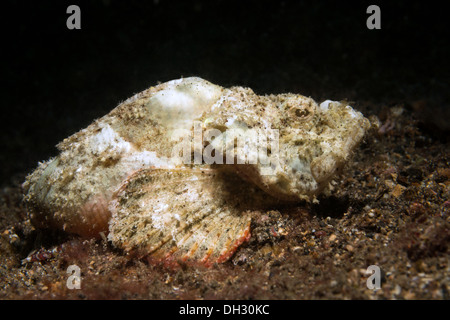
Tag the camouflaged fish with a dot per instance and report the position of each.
(173, 173)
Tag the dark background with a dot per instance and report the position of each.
(56, 81)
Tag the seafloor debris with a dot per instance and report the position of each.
(173, 172)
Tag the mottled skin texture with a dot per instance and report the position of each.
(119, 176)
(314, 141)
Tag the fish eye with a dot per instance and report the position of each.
(302, 112)
(299, 111)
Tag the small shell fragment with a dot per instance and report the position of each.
(174, 172)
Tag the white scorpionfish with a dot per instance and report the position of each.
(123, 175)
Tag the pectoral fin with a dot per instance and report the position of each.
(194, 216)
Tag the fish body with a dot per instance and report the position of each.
(173, 172)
